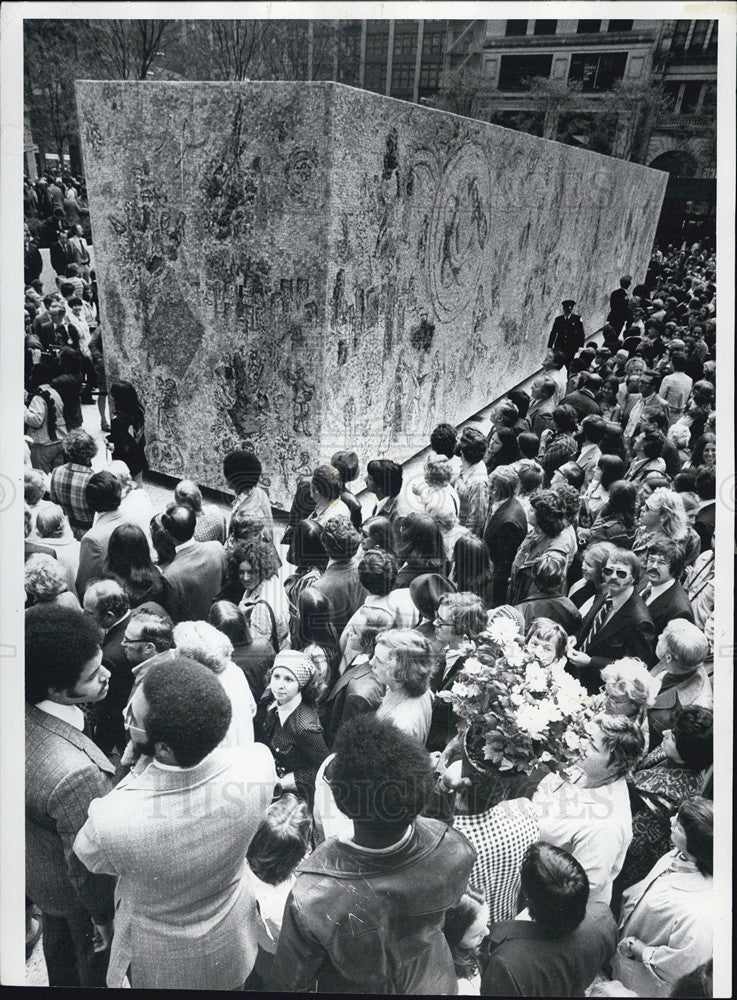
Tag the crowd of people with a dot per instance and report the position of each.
(241, 772)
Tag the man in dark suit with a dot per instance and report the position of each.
(54, 330)
(107, 605)
(356, 691)
(618, 624)
(62, 253)
(583, 398)
(197, 570)
(662, 593)
(567, 940)
(505, 528)
(619, 305)
(65, 771)
(567, 334)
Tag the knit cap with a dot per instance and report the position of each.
(296, 663)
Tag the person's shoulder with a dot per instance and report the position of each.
(255, 758)
(597, 926)
(306, 718)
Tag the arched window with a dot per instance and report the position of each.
(677, 162)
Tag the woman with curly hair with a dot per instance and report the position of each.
(128, 561)
(208, 645)
(404, 662)
(422, 546)
(661, 515)
(45, 582)
(287, 722)
(313, 633)
(435, 496)
(550, 531)
(616, 520)
(458, 617)
(630, 690)
(264, 601)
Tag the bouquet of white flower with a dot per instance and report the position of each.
(515, 713)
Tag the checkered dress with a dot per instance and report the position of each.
(501, 836)
(67, 489)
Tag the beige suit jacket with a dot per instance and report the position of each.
(186, 913)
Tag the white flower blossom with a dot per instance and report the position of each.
(502, 630)
(536, 679)
(473, 667)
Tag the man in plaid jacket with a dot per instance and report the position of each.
(68, 481)
(65, 771)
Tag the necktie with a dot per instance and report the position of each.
(646, 592)
(596, 624)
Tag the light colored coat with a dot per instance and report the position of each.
(671, 911)
(65, 771)
(186, 914)
(93, 547)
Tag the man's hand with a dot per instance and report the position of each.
(579, 659)
(102, 936)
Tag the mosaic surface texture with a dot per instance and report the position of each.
(308, 267)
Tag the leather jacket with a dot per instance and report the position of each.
(360, 922)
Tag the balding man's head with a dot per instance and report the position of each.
(180, 521)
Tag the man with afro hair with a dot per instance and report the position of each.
(65, 772)
(366, 913)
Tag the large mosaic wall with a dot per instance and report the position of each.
(307, 267)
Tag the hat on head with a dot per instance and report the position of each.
(427, 591)
(296, 663)
(568, 302)
(507, 611)
(626, 277)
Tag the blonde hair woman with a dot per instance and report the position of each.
(403, 660)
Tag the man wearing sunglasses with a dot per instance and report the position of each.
(618, 623)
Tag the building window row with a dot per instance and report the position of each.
(518, 28)
(694, 36)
